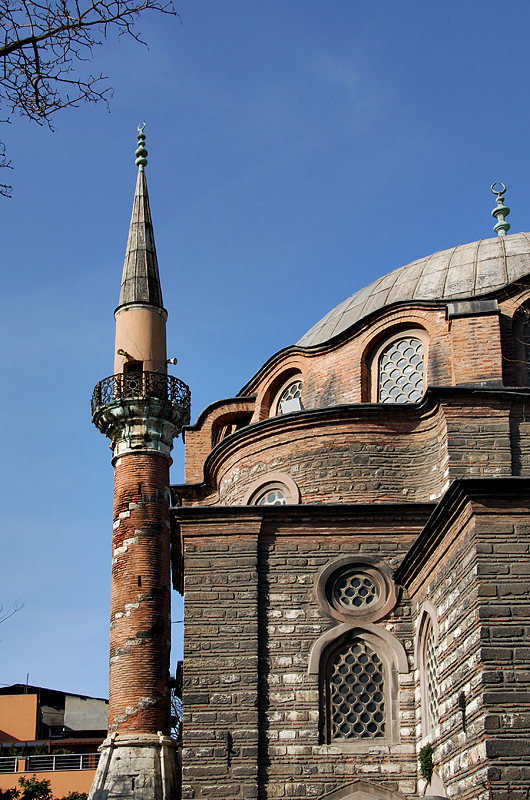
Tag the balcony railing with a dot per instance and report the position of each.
(63, 762)
(129, 385)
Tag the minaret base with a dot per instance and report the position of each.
(140, 767)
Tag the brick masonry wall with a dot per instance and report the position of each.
(361, 454)
(476, 579)
(140, 600)
(251, 725)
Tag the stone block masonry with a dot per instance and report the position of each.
(252, 723)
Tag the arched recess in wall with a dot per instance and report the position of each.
(357, 668)
(228, 423)
(285, 387)
(362, 790)
(521, 344)
(426, 659)
(396, 366)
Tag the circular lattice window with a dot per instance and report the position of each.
(355, 590)
(363, 589)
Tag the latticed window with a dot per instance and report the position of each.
(400, 371)
(525, 337)
(356, 701)
(289, 400)
(355, 590)
(432, 691)
(273, 496)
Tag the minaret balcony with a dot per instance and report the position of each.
(139, 385)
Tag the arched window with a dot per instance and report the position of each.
(400, 371)
(288, 397)
(521, 331)
(430, 677)
(272, 489)
(355, 688)
(427, 662)
(272, 495)
(358, 669)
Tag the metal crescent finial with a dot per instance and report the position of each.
(492, 185)
(500, 212)
(141, 152)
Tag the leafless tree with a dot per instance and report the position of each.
(41, 45)
(18, 605)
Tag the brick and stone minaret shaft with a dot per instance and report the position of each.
(140, 409)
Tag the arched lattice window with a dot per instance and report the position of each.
(273, 495)
(523, 345)
(400, 371)
(355, 693)
(431, 689)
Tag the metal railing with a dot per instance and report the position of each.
(63, 762)
(128, 385)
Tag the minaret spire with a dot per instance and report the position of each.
(140, 281)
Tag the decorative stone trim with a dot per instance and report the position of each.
(393, 657)
(273, 481)
(371, 632)
(363, 580)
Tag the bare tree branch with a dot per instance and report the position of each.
(17, 607)
(42, 45)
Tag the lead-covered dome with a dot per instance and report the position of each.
(463, 272)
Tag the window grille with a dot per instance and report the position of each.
(272, 497)
(401, 371)
(290, 398)
(525, 337)
(432, 691)
(355, 591)
(356, 693)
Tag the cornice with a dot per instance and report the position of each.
(461, 492)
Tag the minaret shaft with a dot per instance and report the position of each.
(141, 335)
(140, 628)
(141, 410)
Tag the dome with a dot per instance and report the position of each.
(463, 272)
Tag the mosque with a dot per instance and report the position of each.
(352, 540)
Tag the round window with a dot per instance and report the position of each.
(356, 588)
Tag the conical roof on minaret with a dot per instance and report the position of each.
(140, 281)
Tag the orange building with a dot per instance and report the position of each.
(51, 734)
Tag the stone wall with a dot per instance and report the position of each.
(252, 724)
(470, 570)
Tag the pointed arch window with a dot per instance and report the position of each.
(427, 658)
(355, 693)
(430, 666)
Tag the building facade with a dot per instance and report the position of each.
(352, 539)
(50, 734)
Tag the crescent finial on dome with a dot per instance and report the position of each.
(500, 211)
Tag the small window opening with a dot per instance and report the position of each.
(133, 366)
(139, 581)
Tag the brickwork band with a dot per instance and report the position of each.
(140, 632)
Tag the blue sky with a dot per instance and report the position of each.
(297, 151)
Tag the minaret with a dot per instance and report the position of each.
(141, 409)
